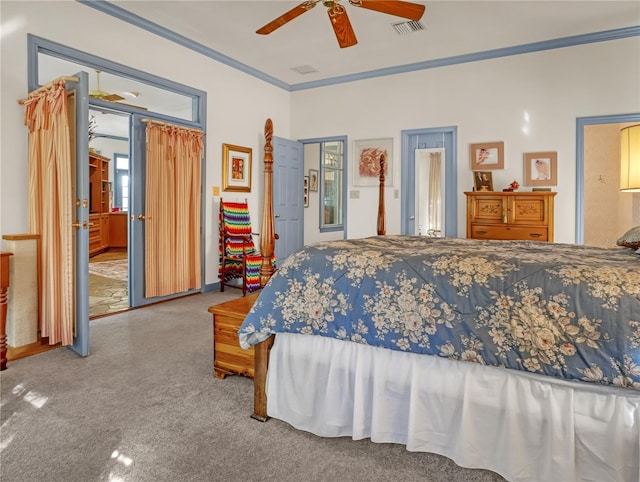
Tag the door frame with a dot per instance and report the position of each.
(410, 142)
(37, 45)
(345, 184)
(581, 122)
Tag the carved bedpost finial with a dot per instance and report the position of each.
(267, 237)
(268, 131)
(381, 221)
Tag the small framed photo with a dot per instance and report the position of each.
(305, 192)
(540, 168)
(313, 180)
(482, 181)
(236, 168)
(366, 168)
(487, 155)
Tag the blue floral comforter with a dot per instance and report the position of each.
(562, 310)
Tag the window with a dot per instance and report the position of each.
(332, 185)
(121, 187)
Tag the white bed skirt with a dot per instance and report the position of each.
(524, 427)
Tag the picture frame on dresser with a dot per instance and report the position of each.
(486, 155)
(541, 168)
(482, 181)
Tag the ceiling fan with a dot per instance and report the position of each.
(339, 19)
(102, 95)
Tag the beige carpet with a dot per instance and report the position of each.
(145, 407)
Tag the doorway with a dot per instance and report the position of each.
(418, 146)
(109, 261)
(598, 196)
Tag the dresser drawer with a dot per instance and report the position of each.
(533, 233)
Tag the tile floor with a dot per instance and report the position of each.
(107, 295)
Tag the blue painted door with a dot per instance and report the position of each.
(78, 104)
(288, 208)
(137, 217)
(430, 138)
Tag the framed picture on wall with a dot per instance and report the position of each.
(305, 192)
(366, 168)
(313, 180)
(487, 155)
(540, 168)
(236, 168)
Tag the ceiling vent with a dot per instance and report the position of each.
(304, 69)
(404, 28)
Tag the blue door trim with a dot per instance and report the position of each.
(408, 142)
(581, 122)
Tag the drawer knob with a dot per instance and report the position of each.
(535, 235)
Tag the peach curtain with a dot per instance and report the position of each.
(435, 195)
(172, 213)
(51, 209)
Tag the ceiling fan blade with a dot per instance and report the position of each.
(342, 26)
(287, 17)
(112, 97)
(412, 11)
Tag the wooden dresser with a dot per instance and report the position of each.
(228, 357)
(510, 215)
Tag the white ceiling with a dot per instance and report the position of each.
(451, 28)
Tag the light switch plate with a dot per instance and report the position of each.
(215, 191)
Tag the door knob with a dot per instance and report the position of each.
(412, 218)
(277, 216)
(141, 217)
(79, 225)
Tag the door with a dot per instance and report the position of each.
(288, 208)
(414, 144)
(78, 105)
(137, 217)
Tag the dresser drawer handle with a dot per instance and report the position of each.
(481, 232)
(535, 235)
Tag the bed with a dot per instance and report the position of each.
(518, 357)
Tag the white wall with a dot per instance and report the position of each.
(238, 104)
(530, 102)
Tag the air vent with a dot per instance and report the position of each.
(404, 28)
(304, 69)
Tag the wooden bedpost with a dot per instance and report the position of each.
(381, 227)
(261, 364)
(267, 235)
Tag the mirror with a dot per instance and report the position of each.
(430, 192)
